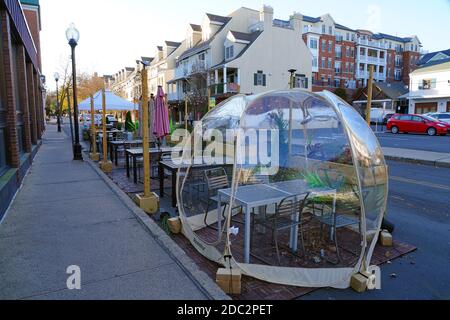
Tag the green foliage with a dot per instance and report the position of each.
(164, 218)
(129, 125)
(314, 180)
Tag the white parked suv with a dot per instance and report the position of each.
(441, 116)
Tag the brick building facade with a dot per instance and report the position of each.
(342, 56)
(21, 94)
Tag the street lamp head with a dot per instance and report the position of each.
(72, 35)
(291, 71)
(56, 76)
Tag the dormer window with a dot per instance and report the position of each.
(229, 52)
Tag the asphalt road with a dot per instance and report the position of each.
(419, 205)
(415, 141)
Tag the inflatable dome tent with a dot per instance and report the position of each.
(290, 187)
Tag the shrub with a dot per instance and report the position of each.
(129, 125)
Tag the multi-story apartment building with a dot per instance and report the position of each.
(342, 56)
(246, 52)
(22, 94)
(163, 66)
(124, 83)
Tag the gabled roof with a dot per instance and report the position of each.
(173, 44)
(147, 59)
(340, 26)
(216, 18)
(311, 19)
(241, 35)
(196, 27)
(390, 37)
(252, 38)
(434, 66)
(203, 45)
(129, 68)
(392, 90)
(382, 91)
(426, 58)
(160, 48)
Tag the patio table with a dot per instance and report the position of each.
(254, 196)
(114, 145)
(134, 153)
(173, 168)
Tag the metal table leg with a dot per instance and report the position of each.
(115, 155)
(247, 234)
(127, 160)
(111, 151)
(219, 211)
(174, 188)
(135, 170)
(161, 180)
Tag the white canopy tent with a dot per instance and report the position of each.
(113, 103)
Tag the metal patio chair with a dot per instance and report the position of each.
(216, 179)
(333, 220)
(285, 218)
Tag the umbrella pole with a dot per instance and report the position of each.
(149, 202)
(105, 165)
(94, 155)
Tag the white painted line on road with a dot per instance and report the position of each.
(421, 183)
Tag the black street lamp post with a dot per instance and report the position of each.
(58, 108)
(73, 36)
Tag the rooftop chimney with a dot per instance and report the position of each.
(296, 21)
(266, 15)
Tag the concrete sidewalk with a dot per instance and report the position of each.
(66, 214)
(436, 159)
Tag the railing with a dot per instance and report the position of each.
(222, 88)
(373, 60)
(362, 74)
(175, 96)
(310, 29)
(372, 44)
(199, 67)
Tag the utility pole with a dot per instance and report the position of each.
(369, 95)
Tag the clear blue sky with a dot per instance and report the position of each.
(114, 33)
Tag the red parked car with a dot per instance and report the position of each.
(412, 123)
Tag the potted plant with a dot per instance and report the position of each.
(129, 126)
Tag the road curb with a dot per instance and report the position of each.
(437, 164)
(200, 278)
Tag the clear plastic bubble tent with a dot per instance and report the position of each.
(289, 187)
